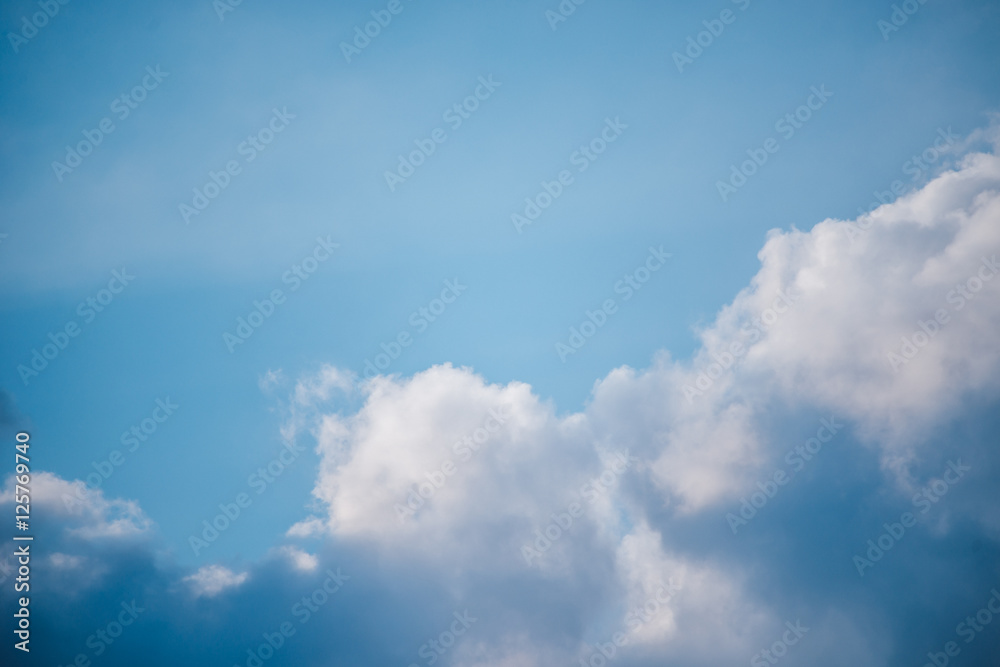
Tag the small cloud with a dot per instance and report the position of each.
(211, 580)
(307, 528)
(270, 380)
(65, 561)
(300, 560)
(317, 388)
(119, 518)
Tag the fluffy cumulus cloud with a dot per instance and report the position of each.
(695, 512)
(442, 454)
(888, 322)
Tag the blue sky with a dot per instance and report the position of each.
(265, 67)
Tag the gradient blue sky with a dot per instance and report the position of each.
(323, 176)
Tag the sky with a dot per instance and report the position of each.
(585, 321)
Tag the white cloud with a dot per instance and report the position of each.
(271, 379)
(211, 580)
(63, 561)
(307, 528)
(299, 560)
(319, 387)
(87, 512)
(373, 461)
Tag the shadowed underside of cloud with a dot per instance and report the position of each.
(860, 363)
